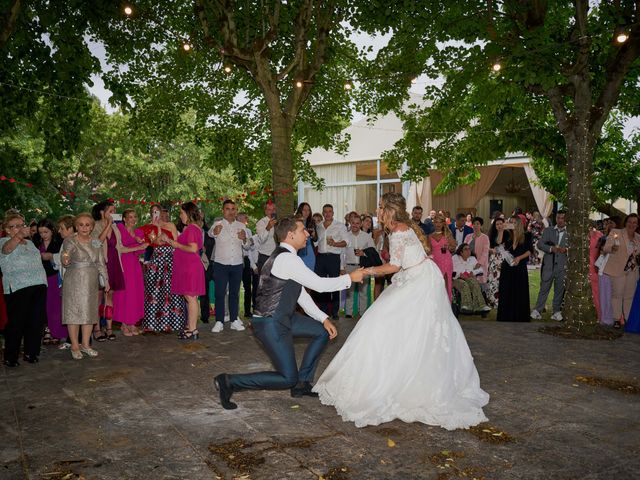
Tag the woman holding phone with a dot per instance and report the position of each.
(442, 245)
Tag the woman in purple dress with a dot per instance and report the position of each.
(128, 304)
(109, 236)
(49, 243)
(187, 279)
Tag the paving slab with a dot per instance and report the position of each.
(146, 409)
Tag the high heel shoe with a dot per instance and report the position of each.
(189, 335)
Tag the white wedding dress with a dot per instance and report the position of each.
(407, 357)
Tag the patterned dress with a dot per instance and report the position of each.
(163, 311)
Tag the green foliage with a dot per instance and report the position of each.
(472, 115)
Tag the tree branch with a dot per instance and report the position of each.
(617, 68)
(302, 21)
(9, 22)
(554, 95)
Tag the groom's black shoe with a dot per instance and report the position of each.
(303, 389)
(224, 389)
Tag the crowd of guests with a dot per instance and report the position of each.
(66, 282)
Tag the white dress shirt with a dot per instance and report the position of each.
(459, 236)
(228, 245)
(267, 242)
(289, 266)
(360, 241)
(460, 266)
(335, 230)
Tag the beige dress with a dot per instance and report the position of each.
(82, 281)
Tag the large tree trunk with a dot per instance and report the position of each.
(579, 310)
(282, 163)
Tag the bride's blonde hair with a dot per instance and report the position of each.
(394, 210)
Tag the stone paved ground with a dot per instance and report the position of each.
(146, 409)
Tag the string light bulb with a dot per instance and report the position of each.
(622, 36)
(128, 10)
(299, 83)
(186, 47)
(348, 85)
(496, 67)
(414, 80)
(227, 69)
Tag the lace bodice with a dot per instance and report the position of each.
(405, 249)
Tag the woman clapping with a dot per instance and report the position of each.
(25, 291)
(83, 258)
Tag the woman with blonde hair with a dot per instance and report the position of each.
(85, 273)
(513, 289)
(417, 368)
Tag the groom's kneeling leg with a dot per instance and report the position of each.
(278, 344)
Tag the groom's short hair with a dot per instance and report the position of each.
(285, 225)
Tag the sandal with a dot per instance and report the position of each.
(99, 336)
(46, 339)
(189, 334)
(110, 335)
(126, 330)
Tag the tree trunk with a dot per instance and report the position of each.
(282, 164)
(579, 310)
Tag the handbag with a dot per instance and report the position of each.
(371, 258)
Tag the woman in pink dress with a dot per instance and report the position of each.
(442, 244)
(128, 304)
(594, 253)
(187, 279)
(479, 244)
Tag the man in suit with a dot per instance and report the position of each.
(553, 243)
(460, 229)
(426, 226)
(276, 322)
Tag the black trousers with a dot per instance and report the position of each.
(328, 265)
(26, 312)
(262, 258)
(204, 299)
(250, 287)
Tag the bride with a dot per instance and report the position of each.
(407, 357)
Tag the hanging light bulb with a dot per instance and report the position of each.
(227, 69)
(622, 36)
(186, 47)
(348, 85)
(496, 67)
(414, 80)
(128, 10)
(299, 84)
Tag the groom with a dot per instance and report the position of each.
(276, 323)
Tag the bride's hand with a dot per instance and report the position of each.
(330, 328)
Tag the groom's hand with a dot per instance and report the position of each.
(331, 328)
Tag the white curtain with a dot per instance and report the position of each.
(542, 197)
(342, 198)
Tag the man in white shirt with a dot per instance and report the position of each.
(230, 236)
(249, 269)
(358, 241)
(276, 322)
(264, 230)
(332, 240)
